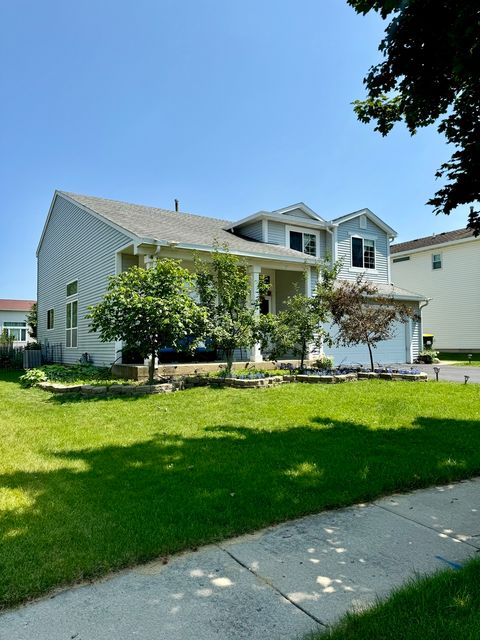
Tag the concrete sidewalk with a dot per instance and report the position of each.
(279, 583)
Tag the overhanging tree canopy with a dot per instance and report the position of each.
(431, 71)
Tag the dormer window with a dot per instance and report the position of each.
(303, 241)
(363, 253)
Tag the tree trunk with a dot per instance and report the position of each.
(371, 356)
(229, 359)
(151, 368)
(302, 355)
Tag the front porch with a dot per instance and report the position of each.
(285, 279)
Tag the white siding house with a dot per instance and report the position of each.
(13, 320)
(87, 239)
(446, 268)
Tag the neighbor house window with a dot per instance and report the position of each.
(16, 330)
(71, 324)
(50, 319)
(363, 253)
(437, 261)
(303, 241)
(72, 288)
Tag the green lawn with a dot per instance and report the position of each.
(445, 606)
(459, 359)
(90, 485)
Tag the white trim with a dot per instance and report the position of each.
(371, 216)
(311, 232)
(66, 289)
(70, 302)
(264, 230)
(364, 268)
(303, 207)
(265, 215)
(432, 261)
(87, 210)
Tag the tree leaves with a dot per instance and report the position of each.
(431, 71)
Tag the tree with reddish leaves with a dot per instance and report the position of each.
(362, 316)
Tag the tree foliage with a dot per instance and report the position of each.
(32, 321)
(299, 326)
(431, 74)
(150, 309)
(225, 291)
(363, 316)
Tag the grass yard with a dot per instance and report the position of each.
(459, 359)
(445, 606)
(91, 485)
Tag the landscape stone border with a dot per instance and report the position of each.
(113, 389)
(236, 383)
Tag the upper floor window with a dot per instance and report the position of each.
(303, 241)
(436, 261)
(50, 319)
(72, 288)
(363, 253)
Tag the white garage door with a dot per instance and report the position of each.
(387, 352)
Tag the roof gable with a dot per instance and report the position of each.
(371, 216)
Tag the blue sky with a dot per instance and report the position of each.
(231, 107)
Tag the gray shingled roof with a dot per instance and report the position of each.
(428, 241)
(162, 224)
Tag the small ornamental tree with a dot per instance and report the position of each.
(364, 317)
(32, 321)
(150, 309)
(225, 291)
(298, 327)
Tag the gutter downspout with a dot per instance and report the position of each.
(420, 308)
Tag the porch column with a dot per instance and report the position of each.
(255, 270)
(308, 292)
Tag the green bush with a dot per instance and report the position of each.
(33, 377)
(324, 362)
(427, 356)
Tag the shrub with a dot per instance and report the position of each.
(324, 363)
(33, 377)
(427, 356)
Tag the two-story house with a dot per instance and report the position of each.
(86, 239)
(446, 268)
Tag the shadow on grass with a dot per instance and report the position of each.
(109, 507)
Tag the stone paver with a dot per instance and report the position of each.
(280, 583)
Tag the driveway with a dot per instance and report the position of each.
(452, 373)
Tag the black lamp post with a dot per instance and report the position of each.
(437, 371)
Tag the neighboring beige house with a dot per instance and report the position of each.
(13, 320)
(446, 268)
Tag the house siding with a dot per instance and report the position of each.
(276, 233)
(453, 312)
(298, 213)
(344, 249)
(76, 246)
(253, 231)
